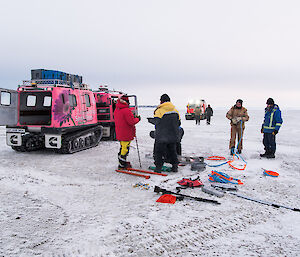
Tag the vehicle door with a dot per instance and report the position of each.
(133, 104)
(83, 106)
(8, 107)
(90, 106)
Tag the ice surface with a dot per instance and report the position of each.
(77, 205)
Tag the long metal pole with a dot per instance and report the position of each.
(264, 202)
(137, 147)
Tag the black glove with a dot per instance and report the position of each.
(274, 132)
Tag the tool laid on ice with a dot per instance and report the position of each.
(270, 173)
(227, 187)
(147, 171)
(134, 174)
(198, 166)
(264, 202)
(129, 172)
(223, 178)
(197, 163)
(212, 191)
(190, 159)
(164, 191)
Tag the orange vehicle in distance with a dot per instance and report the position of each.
(192, 105)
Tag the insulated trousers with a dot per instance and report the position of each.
(269, 142)
(236, 130)
(208, 120)
(163, 149)
(123, 153)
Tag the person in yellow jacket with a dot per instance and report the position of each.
(167, 122)
(238, 116)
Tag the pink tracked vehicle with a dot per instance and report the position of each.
(106, 103)
(56, 110)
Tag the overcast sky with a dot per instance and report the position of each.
(217, 50)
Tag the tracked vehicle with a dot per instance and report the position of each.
(52, 110)
(106, 104)
(192, 105)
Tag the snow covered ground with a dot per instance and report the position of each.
(77, 205)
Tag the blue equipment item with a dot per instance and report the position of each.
(223, 178)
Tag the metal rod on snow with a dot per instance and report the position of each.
(264, 202)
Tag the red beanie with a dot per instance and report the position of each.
(125, 98)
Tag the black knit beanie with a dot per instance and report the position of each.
(239, 101)
(270, 101)
(165, 98)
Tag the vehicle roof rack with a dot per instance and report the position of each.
(55, 83)
(104, 89)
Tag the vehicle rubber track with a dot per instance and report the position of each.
(30, 143)
(81, 140)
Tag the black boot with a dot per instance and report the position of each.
(174, 168)
(267, 152)
(264, 154)
(271, 155)
(123, 164)
(158, 169)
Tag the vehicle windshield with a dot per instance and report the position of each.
(195, 103)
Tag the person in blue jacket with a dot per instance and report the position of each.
(270, 128)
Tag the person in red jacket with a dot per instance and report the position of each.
(125, 129)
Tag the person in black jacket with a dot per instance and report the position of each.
(208, 112)
(167, 133)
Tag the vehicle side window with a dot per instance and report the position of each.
(47, 101)
(72, 100)
(87, 100)
(63, 98)
(5, 98)
(31, 100)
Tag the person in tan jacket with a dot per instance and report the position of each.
(198, 113)
(238, 116)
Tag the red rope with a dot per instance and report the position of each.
(236, 168)
(215, 158)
